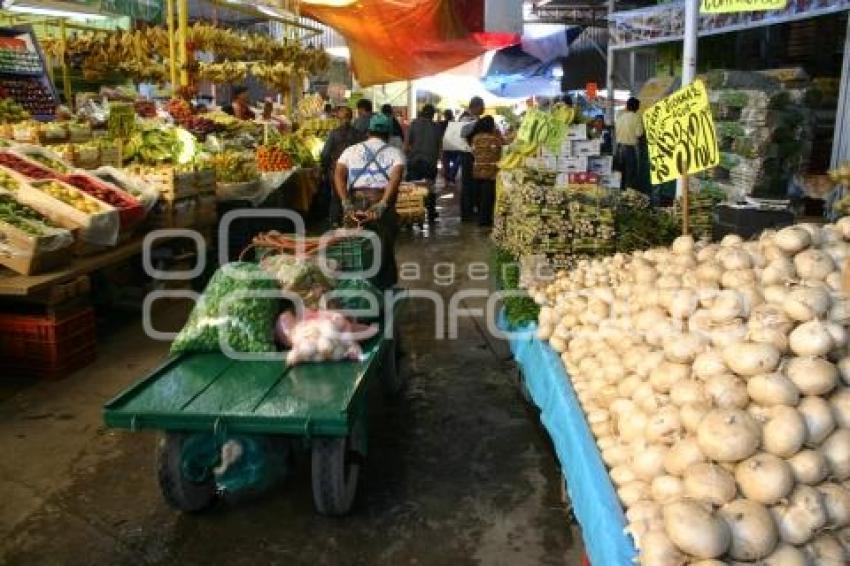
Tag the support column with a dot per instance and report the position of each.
(841, 137)
(609, 72)
(183, 35)
(411, 100)
(689, 71)
(172, 47)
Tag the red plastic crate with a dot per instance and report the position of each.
(47, 347)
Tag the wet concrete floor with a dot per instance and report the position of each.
(459, 471)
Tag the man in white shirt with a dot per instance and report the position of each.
(366, 179)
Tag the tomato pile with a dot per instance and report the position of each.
(272, 158)
(24, 167)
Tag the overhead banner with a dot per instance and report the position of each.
(666, 22)
(731, 6)
(680, 134)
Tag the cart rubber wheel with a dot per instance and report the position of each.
(393, 376)
(336, 469)
(180, 492)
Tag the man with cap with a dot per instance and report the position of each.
(468, 193)
(366, 179)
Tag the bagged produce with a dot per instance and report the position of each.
(298, 275)
(222, 316)
(321, 336)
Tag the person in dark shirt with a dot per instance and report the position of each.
(340, 138)
(364, 114)
(424, 140)
(397, 135)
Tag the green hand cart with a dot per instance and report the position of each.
(322, 404)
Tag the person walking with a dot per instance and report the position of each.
(468, 196)
(366, 179)
(628, 129)
(364, 114)
(424, 140)
(397, 134)
(339, 139)
(450, 159)
(487, 151)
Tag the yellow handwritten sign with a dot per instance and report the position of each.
(680, 134)
(729, 6)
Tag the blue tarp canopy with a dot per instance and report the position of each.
(533, 67)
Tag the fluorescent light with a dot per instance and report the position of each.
(57, 13)
(557, 71)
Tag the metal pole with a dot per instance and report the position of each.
(66, 77)
(609, 72)
(183, 37)
(689, 70)
(172, 48)
(840, 139)
(411, 100)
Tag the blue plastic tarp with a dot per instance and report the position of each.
(595, 504)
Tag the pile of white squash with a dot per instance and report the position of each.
(715, 380)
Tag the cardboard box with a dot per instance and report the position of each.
(587, 147)
(601, 165)
(550, 163)
(577, 132)
(572, 164)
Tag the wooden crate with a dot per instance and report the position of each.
(110, 156)
(171, 184)
(205, 181)
(207, 211)
(177, 213)
(28, 254)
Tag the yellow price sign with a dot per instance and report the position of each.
(730, 6)
(680, 134)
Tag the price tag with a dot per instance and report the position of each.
(730, 6)
(591, 89)
(680, 134)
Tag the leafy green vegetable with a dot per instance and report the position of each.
(245, 323)
(519, 310)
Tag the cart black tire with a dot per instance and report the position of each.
(336, 469)
(178, 491)
(393, 374)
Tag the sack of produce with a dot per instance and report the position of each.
(298, 275)
(322, 336)
(238, 308)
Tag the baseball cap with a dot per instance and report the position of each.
(380, 123)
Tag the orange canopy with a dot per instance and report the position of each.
(396, 40)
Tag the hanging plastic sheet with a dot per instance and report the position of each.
(382, 48)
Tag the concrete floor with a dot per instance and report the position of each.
(458, 472)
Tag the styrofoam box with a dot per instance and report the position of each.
(550, 163)
(577, 132)
(611, 180)
(601, 165)
(561, 180)
(572, 164)
(587, 147)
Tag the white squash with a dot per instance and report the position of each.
(728, 435)
(695, 530)
(752, 529)
(709, 483)
(764, 478)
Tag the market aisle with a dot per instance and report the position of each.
(458, 471)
